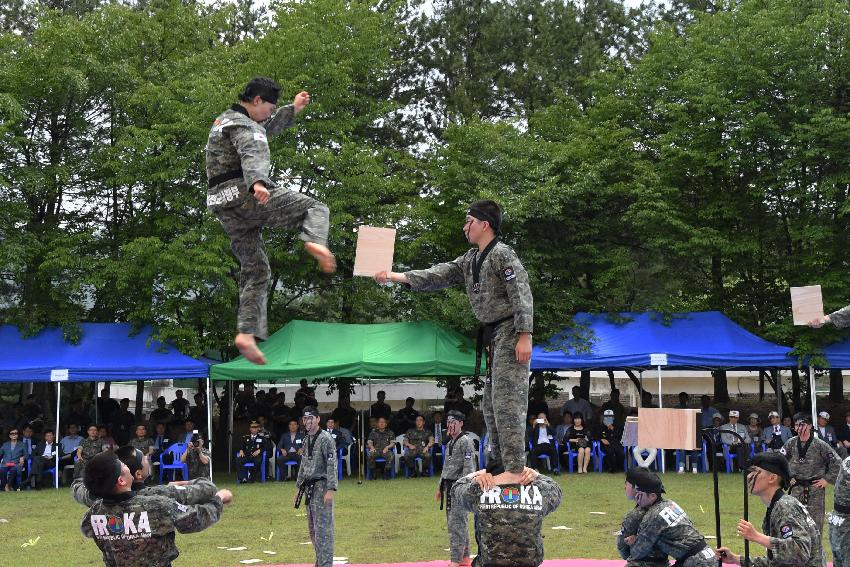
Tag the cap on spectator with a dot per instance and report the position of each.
(773, 414)
(734, 413)
(455, 415)
(608, 412)
(801, 417)
(717, 415)
(310, 411)
(254, 424)
(754, 415)
(823, 414)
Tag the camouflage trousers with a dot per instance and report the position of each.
(244, 225)
(411, 455)
(813, 499)
(839, 539)
(372, 458)
(320, 522)
(506, 400)
(458, 527)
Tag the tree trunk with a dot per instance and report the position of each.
(140, 399)
(584, 384)
(795, 390)
(611, 380)
(836, 386)
(636, 381)
(761, 385)
(721, 387)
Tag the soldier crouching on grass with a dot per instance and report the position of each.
(790, 534)
(133, 529)
(631, 525)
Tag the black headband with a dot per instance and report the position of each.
(481, 215)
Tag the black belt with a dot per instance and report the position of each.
(445, 492)
(222, 177)
(690, 553)
(805, 482)
(485, 339)
(306, 489)
(842, 509)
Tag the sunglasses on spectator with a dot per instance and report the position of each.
(13, 433)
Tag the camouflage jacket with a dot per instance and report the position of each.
(458, 458)
(731, 439)
(197, 469)
(794, 537)
(842, 486)
(381, 439)
(143, 445)
(841, 318)
(630, 526)
(665, 528)
(499, 513)
(418, 437)
(501, 292)
(319, 460)
(818, 460)
(137, 530)
(196, 491)
(89, 448)
(238, 144)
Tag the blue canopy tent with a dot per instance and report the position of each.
(837, 355)
(704, 339)
(105, 352)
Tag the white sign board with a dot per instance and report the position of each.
(59, 375)
(658, 359)
(806, 304)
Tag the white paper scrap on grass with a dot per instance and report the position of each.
(561, 528)
(249, 561)
(222, 547)
(270, 552)
(710, 537)
(305, 543)
(598, 513)
(243, 548)
(4, 521)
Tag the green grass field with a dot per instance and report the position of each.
(379, 521)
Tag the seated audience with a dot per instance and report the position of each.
(826, 432)
(542, 440)
(844, 432)
(161, 442)
(754, 432)
(197, 459)
(251, 451)
(68, 445)
(380, 444)
(12, 461)
(579, 437)
(611, 442)
(43, 458)
(737, 447)
(142, 442)
(614, 405)
(88, 448)
(418, 442)
(106, 440)
(186, 434)
(537, 404)
(291, 446)
(563, 427)
(775, 435)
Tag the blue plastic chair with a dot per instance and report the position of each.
(51, 470)
(553, 467)
(701, 463)
(599, 457)
(631, 459)
(251, 466)
(176, 449)
(388, 462)
(280, 462)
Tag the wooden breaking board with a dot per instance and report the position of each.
(375, 248)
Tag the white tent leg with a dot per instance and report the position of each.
(209, 421)
(813, 396)
(660, 405)
(56, 438)
(230, 402)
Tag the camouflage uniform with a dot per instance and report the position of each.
(197, 469)
(379, 441)
(509, 520)
(137, 530)
(809, 462)
(630, 526)
(458, 461)
(666, 529)
(316, 475)
(88, 449)
(419, 438)
(794, 537)
(841, 318)
(198, 491)
(501, 300)
(237, 157)
(839, 518)
(143, 445)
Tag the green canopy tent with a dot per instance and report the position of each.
(311, 349)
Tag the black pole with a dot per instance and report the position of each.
(711, 439)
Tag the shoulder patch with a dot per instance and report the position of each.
(509, 273)
(783, 451)
(260, 137)
(786, 531)
(845, 464)
(182, 507)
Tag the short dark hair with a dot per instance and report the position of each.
(263, 87)
(46, 431)
(131, 457)
(101, 473)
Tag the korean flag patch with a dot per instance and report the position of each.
(509, 273)
(785, 531)
(260, 137)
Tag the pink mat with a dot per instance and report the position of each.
(444, 563)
